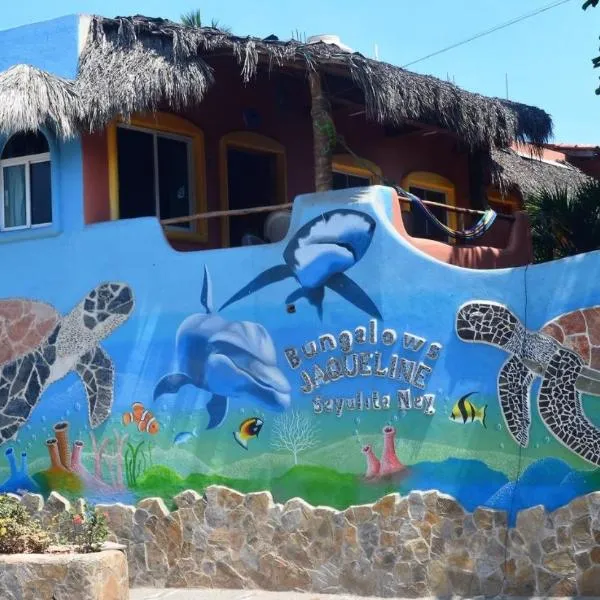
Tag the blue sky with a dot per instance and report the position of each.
(547, 58)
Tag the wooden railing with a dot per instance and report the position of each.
(273, 207)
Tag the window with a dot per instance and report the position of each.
(349, 172)
(25, 183)
(434, 188)
(502, 204)
(154, 174)
(156, 167)
(423, 227)
(252, 174)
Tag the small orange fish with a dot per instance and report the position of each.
(143, 418)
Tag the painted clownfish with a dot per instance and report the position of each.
(141, 417)
(250, 428)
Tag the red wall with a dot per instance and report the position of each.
(283, 103)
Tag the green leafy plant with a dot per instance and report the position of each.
(86, 530)
(136, 462)
(193, 18)
(564, 223)
(19, 531)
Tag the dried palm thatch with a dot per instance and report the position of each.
(132, 64)
(529, 175)
(31, 98)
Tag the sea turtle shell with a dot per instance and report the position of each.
(24, 325)
(578, 331)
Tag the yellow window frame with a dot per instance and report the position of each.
(249, 140)
(348, 165)
(165, 123)
(435, 183)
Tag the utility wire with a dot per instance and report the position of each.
(488, 31)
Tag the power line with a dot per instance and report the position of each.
(488, 31)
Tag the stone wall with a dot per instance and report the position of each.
(423, 544)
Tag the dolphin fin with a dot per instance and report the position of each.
(217, 410)
(171, 384)
(272, 275)
(206, 298)
(353, 293)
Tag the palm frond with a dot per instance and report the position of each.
(192, 18)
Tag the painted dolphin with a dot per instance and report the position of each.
(318, 256)
(230, 359)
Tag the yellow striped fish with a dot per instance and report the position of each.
(465, 412)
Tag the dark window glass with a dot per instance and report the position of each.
(252, 181)
(25, 144)
(173, 179)
(41, 193)
(342, 181)
(502, 208)
(135, 150)
(422, 227)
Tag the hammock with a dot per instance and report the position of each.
(485, 222)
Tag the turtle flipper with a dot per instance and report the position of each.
(217, 410)
(22, 383)
(96, 371)
(514, 383)
(171, 384)
(561, 409)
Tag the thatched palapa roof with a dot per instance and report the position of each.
(529, 174)
(31, 99)
(131, 64)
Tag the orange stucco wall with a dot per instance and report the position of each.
(283, 104)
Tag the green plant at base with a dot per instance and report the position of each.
(85, 530)
(19, 531)
(136, 463)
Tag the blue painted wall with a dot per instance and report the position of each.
(244, 352)
(50, 45)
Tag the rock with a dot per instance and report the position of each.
(259, 504)
(223, 497)
(387, 505)
(545, 580)
(368, 537)
(57, 504)
(484, 519)
(33, 503)
(416, 506)
(292, 520)
(94, 576)
(439, 582)
(564, 588)
(588, 582)
(449, 507)
(154, 506)
(522, 581)
(560, 562)
(530, 522)
(581, 531)
(187, 499)
(595, 554)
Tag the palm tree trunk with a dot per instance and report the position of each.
(323, 134)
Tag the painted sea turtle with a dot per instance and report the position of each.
(565, 353)
(38, 347)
